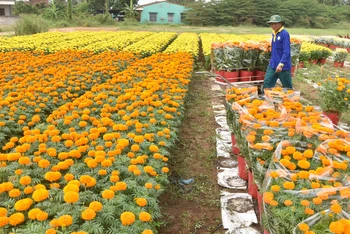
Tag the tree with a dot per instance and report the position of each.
(69, 10)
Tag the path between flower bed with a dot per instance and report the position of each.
(238, 209)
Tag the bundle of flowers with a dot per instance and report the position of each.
(42, 83)
(264, 56)
(335, 93)
(217, 58)
(98, 164)
(295, 48)
(300, 183)
(251, 52)
(152, 44)
(278, 94)
(207, 40)
(263, 128)
(233, 54)
(185, 42)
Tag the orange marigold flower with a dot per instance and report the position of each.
(14, 193)
(304, 164)
(4, 221)
(336, 208)
(40, 195)
(145, 216)
(16, 218)
(25, 180)
(288, 202)
(305, 203)
(165, 169)
(96, 206)
(127, 218)
(289, 185)
(148, 185)
(71, 197)
(65, 220)
(108, 194)
(147, 231)
(336, 227)
(51, 231)
(23, 204)
(275, 188)
(88, 214)
(303, 227)
(141, 201)
(3, 212)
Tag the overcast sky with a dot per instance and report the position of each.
(143, 2)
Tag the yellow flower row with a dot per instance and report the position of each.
(153, 44)
(185, 42)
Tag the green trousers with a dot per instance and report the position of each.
(271, 78)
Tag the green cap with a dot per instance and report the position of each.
(275, 19)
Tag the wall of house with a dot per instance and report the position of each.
(162, 9)
(8, 10)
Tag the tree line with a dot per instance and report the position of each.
(296, 13)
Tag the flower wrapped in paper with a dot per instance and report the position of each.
(278, 94)
(251, 52)
(295, 48)
(300, 183)
(232, 56)
(217, 58)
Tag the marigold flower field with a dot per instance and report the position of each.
(87, 120)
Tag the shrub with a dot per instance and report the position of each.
(104, 19)
(30, 24)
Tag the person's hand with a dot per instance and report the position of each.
(279, 68)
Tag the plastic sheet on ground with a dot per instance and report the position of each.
(224, 135)
(228, 178)
(221, 120)
(223, 149)
(247, 230)
(237, 210)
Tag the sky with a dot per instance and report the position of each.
(143, 2)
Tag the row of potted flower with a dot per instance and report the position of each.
(98, 163)
(334, 42)
(258, 127)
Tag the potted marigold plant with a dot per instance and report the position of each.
(340, 57)
(335, 97)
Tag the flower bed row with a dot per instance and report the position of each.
(34, 85)
(185, 42)
(98, 163)
(298, 159)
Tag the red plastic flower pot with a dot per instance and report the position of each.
(232, 76)
(242, 170)
(260, 205)
(252, 187)
(233, 139)
(322, 60)
(246, 75)
(220, 73)
(259, 75)
(338, 64)
(333, 116)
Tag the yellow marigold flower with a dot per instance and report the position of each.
(336, 227)
(303, 227)
(40, 195)
(96, 206)
(127, 218)
(23, 204)
(4, 221)
(16, 218)
(71, 197)
(88, 214)
(108, 194)
(65, 220)
(145, 216)
(141, 201)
